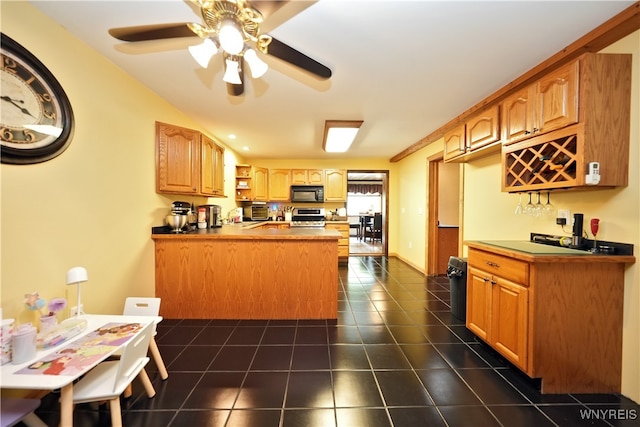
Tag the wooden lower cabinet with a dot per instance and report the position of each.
(557, 318)
(343, 243)
(497, 312)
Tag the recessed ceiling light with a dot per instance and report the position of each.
(245, 148)
(232, 136)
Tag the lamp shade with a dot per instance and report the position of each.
(232, 73)
(203, 52)
(77, 275)
(230, 37)
(258, 66)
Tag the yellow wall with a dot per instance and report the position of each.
(488, 213)
(95, 204)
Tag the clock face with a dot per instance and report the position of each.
(35, 115)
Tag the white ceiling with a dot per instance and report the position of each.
(404, 67)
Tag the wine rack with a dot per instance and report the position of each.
(544, 165)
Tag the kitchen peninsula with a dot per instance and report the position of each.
(241, 272)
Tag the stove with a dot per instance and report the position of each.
(307, 218)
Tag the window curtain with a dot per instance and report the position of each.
(355, 188)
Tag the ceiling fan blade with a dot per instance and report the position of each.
(152, 32)
(287, 53)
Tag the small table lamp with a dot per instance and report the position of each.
(76, 276)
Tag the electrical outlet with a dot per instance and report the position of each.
(74, 310)
(563, 214)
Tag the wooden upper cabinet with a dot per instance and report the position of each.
(556, 103)
(474, 137)
(517, 117)
(483, 128)
(177, 159)
(260, 184)
(307, 177)
(550, 103)
(581, 114)
(335, 187)
(279, 185)
(212, 168)
(188, 162)
(454, 142)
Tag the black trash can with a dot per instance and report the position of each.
(457, 274)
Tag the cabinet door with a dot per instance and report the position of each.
(557, 98)
(335, 187)
(478, 302)
(517, 116)
(212, 168)
(177, 159)
(315, 176)
(298, 176)
(454, 143)
(279, 184)
(483, 129)
(260, 182)
(510, 320)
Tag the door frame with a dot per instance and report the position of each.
(385, 204)
(433, 162)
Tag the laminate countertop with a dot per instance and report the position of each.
(537, 252)
(247, 231)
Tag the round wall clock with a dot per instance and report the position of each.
(36, 119)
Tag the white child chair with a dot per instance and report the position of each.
(141, 306)
(108, 380)
(13, 410)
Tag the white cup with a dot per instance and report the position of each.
(23, 344)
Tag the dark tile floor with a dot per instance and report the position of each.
(395, 357)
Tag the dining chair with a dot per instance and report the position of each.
(374, 228)
(108, 380)
(147, 306)
(15, 410)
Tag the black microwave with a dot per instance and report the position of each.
(307, 193)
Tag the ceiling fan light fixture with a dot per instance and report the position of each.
(258, 66)
(232, 72)
(339, 135)
(203, 52)
(230, 37)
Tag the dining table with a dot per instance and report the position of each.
(59, 366)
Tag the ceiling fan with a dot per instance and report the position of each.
(233, 27)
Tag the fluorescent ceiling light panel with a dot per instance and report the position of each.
(339, 135)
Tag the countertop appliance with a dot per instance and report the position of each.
(213, 215)
(308, 218)
(256, 212)
(180, 208)
(307, 193)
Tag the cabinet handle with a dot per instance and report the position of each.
(535, 130)
(526, 132)
(493, 264)
(493, 282)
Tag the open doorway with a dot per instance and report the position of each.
(444, 230)
(367, 210)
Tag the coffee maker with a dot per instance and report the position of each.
(213, 214)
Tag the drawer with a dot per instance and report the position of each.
(343, 242)
(508, 268)
(343, 251)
